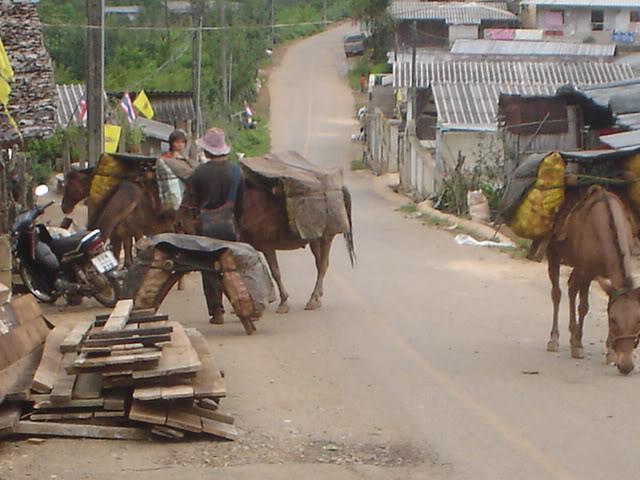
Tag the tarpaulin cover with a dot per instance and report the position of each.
(314, 197)
(249, 262)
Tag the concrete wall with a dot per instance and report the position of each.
(577, 23)
(417, 166)
(382, 142)
(472, 145)
(462, 31)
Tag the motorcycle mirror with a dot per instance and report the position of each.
(41, 190)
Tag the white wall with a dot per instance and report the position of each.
(462, 31)
(577, 26)
(472, 145)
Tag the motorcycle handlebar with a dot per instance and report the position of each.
(42, 208)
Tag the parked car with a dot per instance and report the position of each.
(354, 44)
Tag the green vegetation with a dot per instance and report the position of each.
(43, 156)
(364, 66)
(374, 15)
(358, 165)
(252, 142)
(408, 208)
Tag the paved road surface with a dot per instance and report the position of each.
(414, 367)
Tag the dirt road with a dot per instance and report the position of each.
(426, 362)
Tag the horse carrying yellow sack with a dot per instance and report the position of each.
(536, 215)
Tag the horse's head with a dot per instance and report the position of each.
(624, 325)
(76, 187)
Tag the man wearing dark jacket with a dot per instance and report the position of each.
(216, 189)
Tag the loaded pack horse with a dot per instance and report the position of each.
(594, 236)
(132, 210)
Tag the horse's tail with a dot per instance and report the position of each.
(348, 236)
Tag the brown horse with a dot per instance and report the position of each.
(595, 237)
(264, 224)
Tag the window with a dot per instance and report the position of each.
(553, 19)
(634, 16)
(597, 20)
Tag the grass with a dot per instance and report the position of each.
(364, 66)
(408, 208)
(253, 142)
(358, 165)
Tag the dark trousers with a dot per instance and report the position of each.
(212, 286)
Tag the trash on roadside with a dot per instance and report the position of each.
(463, 239)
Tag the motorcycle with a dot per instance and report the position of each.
(54, 263)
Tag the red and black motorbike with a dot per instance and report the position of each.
(55, 263)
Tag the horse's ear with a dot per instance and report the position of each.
(607, 286)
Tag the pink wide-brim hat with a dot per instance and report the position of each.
(214, 141)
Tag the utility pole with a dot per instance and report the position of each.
(197, 13)
(272, 21)
(95, 80)
(414, 76)
(324, 13)
(166, 22)
(223, 52)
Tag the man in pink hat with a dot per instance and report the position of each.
(216, 191)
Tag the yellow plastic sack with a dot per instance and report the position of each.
(632, 167)
(107, 176)
(536, 215)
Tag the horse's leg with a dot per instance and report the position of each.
(556, 295)
(321, 250)
(583, 310)
(576, 344)
(128, 250)
(116, 246)
(272, 260)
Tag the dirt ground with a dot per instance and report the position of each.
(427, 361)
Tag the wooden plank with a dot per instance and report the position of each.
(119, 316)
(47, 372)
(167, 432)
(84, 361)
(184, 420)
(147, 340)
(208, 403)
(25, 334)
(208, 382)
(140, 332)
(48, 417)
(88, 385)
(147, 394)
(109, 414)
(63, 388)
(75, 337)
(70, 404)
(212, 414)
(154, 413)
(26, 427)
(134, 317)
(17, 379)
(177, 357)
(219, 429)
(9, 415)
(115, 400)
(174, 392)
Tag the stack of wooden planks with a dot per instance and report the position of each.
(124, 375)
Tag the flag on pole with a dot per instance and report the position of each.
(143, 104)
(127, 106)
(81, 115)
(6, 72)
(6, 76)
(111, 138)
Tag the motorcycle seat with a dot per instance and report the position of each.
(63, 245)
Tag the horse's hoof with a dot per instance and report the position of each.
(553, 346)
(313, 305)
(282, 309)
(577, 352)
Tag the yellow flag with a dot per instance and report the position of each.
(143, 104)
(111, 138)
(5, 91)
(6, 71)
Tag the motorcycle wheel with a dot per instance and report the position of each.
(108, 286)
(44, 295)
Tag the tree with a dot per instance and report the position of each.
(375, 16)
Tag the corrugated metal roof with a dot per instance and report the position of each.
(584, 3)
(514, 48)
(475, 105)
(453, 13)
(548, 73)
(69, 97)
(622, 140)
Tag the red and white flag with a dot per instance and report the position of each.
(127, 105)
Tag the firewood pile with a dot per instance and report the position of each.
(122, 376)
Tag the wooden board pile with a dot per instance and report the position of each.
(120, 376)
